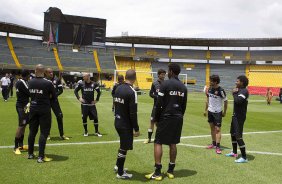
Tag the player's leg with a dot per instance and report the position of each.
(33, 129)
(211, 121)
(59, 115)
(126, 143)
(151, 127)
(233, 130)
(217, 129)
(241, 143)
(94, 116)
(171, 165)
(84, 112)
(45, 126)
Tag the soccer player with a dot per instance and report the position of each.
(126, 122)
(280, 95)
(55, 103)
(170, 109)
(5, 83)
(120, 81)
(268, 96)
(155, 88)
(240, 95)
(41, 92)
(22, 93)
(215, 96)
(88, 104)
(11, 87)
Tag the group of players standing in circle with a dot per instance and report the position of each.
(36, 98)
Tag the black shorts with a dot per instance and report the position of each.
(237, 126)
(56, 108)
(89, 110)
(22, 116)
(126, 138)
(153, 114)
(215, 118)
(169, 130)
(40, 119)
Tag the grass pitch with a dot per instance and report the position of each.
(91, 159)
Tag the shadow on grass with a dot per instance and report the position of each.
(57, 158)
(183, 173)
(249, 157)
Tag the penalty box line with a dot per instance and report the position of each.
(140, 140)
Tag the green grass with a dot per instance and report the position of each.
(94, 163)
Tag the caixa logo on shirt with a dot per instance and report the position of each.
(88, 89)
(36, 91)
(119, 100)
(176, 93)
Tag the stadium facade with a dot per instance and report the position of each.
(73, 43)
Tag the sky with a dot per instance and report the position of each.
(163, 18)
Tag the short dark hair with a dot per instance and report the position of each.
(160, 71)
(244, 80)
(130, 75)
(120, 78)
(25, 73)
(175, 68)
(215, 78)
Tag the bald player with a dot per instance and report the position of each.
(55, 103)
(88, 103)
(42, 92)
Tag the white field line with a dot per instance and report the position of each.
(248, 151)
(140, 140)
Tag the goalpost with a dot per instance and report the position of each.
(154, 75)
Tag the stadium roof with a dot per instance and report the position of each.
(18, 29)
(211, 42)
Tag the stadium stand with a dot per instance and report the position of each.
(6, 60)
(144, 78)
(265, 76)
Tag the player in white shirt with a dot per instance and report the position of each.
(5, 83)
(215, 96)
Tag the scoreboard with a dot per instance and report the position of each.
(76, 30)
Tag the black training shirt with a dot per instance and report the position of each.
(41, 92)
(241, 103)
(87, 90)
(155, 88)
(125, 100)
(172, 99)
(22, 93)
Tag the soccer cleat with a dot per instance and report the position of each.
(64, 137)
(153, 176)
(169, 175)
(231, 154)
(116, 169)
(147, 141)
(218, 151)
(25, 147)
(17, 151)
(211, 146)
(45, 159)
(241, 160)
(125, 175)
(48, 138)
(98, 134)
(30, 156)
(85, 134)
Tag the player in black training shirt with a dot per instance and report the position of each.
(41, 92)
(55, 103)
(126, 122)
(88, 107)
(240, 95)
(120, 81)
(11, 87)
(155, 88)
(170, 109)
(22, 93)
